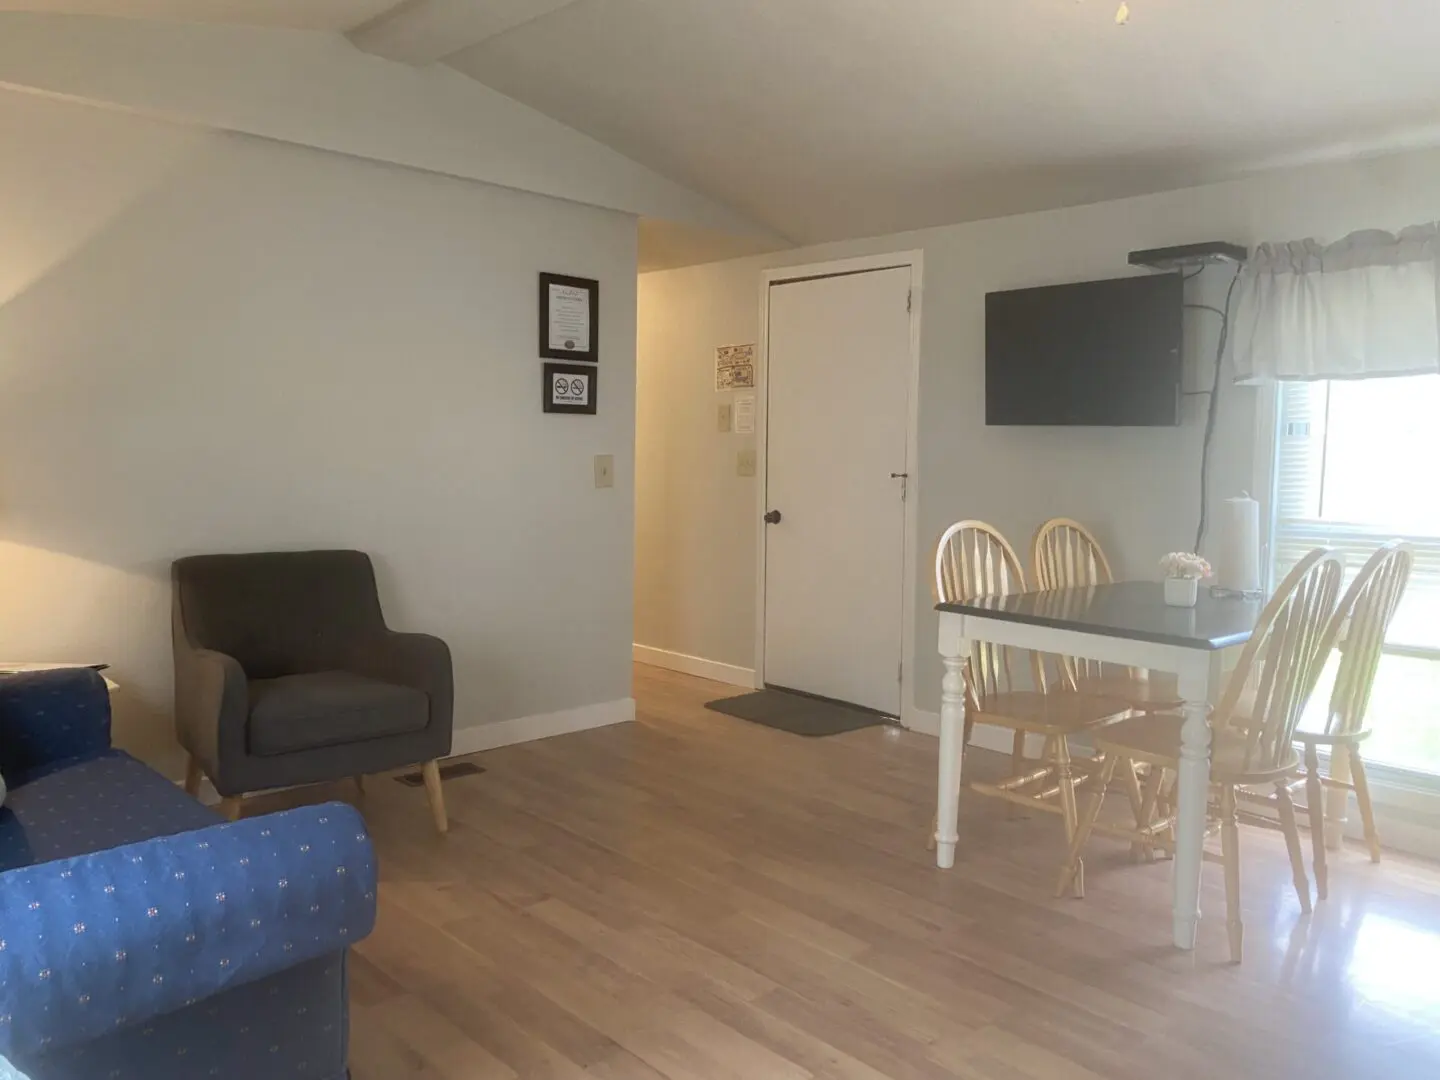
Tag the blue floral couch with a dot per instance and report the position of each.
(141, 937)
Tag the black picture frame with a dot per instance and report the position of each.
(548, 388)
(586, 352)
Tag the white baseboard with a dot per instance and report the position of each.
(985, 736)
(471, 740)
(926, 723)
(696, 665)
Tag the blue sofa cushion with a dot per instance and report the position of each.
(48, 717)
(93, 805)
(288, 1025)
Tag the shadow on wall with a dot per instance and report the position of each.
(68, 173)
(252, 346)
(78, 175)
(59, 608)
(107, 420)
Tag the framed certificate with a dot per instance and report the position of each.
(569, 318)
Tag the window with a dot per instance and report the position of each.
(1358, 463)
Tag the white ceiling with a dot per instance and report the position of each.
(825, 119)
(831, 118)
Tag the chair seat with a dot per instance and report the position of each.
(1160, 691)
(1061, 713)
(329, 708)
(1156, 738)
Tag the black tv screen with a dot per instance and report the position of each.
(1097, 354)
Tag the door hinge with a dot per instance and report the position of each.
(909, 301)
(904, 478)
(900, 672)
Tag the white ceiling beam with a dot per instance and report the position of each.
(315, 90)
(423, 31)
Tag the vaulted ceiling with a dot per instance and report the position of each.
(824, 119)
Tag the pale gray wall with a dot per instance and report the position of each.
(218, 343)
(1137, 488)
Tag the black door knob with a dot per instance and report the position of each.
(772, 518)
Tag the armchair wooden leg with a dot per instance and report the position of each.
(431, 772)
(192, 777)
(230, 808)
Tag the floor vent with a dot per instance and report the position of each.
(447, 772)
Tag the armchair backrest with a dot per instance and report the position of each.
(278, 613)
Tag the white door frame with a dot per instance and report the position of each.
(915, 260)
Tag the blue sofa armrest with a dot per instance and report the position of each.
(91, 944)
(51, 716)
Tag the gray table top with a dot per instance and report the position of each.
(1127, 609)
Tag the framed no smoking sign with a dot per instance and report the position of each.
(569, 388)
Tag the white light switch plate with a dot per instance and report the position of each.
(604, 470)
(722, 418)
(745, 463)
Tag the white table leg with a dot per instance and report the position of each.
(1192, 794)
(953, 651)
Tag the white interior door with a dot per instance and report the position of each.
(838, 364)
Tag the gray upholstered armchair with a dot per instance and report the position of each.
(285, 673)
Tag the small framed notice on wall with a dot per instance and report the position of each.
(569, 388)
(569, 318)
(735, 367)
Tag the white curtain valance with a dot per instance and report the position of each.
(1365, 306)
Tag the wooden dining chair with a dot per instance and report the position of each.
(1066, 555)
(1265, 696)
(1357, 628)
(972, 560)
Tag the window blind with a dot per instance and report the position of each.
(1356, 466)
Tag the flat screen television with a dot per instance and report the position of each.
(1092, 354)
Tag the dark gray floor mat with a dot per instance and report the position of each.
(799, 714)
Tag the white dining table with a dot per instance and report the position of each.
(1128, 624)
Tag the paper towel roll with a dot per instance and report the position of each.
(1237, 547)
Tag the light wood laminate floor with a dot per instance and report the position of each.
(699, 898)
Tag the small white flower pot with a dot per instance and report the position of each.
(1182, 592)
